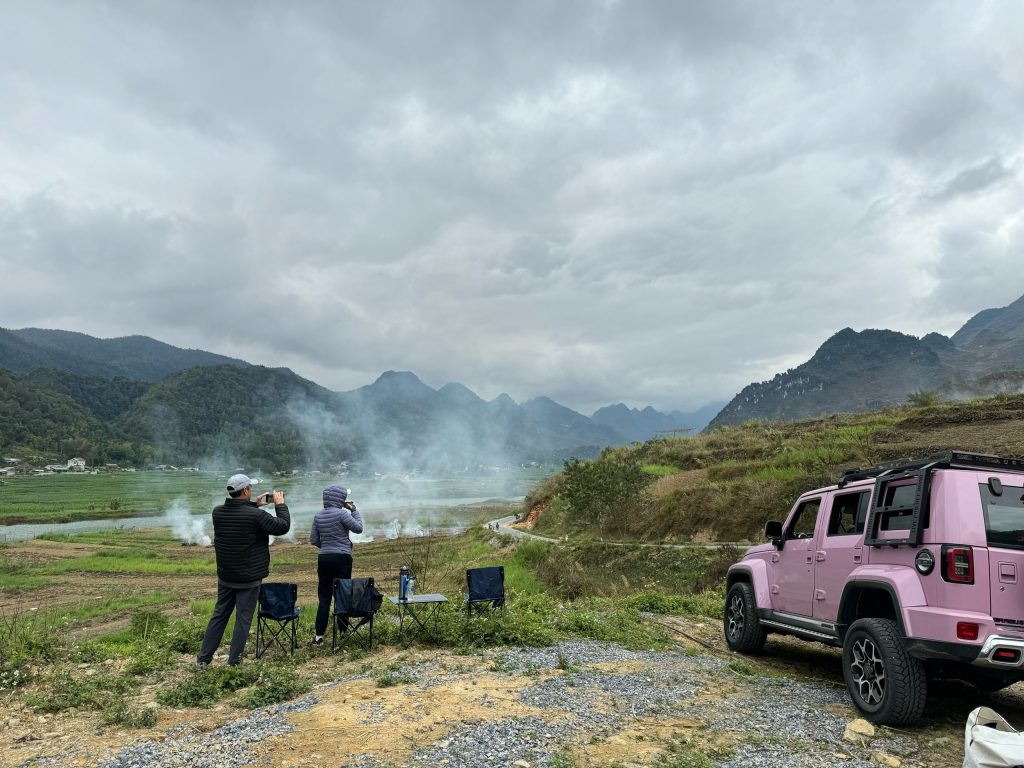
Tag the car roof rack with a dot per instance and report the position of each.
(920, 472)
(946, 460)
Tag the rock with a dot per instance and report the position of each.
(884, 758)
(521, 764)
(840, 756)
(858, 731)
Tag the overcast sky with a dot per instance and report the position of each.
(648, 202)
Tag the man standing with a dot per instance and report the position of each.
(241, 530)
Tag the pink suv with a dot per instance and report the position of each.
(913, 569)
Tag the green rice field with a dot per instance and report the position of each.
(69, 497)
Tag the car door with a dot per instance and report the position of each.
(840, 549)
(793, 564)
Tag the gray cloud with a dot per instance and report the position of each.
(648, 202)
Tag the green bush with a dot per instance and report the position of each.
(204, 687)
(63, 691)
(276, 683)
(600, 492)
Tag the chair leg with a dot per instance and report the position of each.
(259, 637)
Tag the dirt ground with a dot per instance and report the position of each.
(336, 727)
(331, 730)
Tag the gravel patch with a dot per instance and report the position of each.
(225, 747)
(783, 722)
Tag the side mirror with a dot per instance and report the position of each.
(773, 529)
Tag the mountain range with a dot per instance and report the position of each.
(136, 399)
(871, 369)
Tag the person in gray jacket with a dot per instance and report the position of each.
(330, 533)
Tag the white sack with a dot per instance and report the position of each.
(991, 742)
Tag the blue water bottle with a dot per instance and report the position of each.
(403, 583)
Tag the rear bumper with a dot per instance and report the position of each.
(978, 656)
(998, 645)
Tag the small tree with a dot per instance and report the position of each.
(604, 491)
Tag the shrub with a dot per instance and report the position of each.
(204, 687)
(276, 683)
(601, 491)
(63, 692)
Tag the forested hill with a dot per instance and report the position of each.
(131, 357)
(274, 419)
(39, 422)
(180, 406)
(856, 372)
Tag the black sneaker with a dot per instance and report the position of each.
(317, 640)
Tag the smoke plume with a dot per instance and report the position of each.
(184, 525)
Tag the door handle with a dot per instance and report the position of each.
(820, 556)
(809, 560)
(858, 554)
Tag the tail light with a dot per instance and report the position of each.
(1006, 655)
(957, 564)
(967, 630)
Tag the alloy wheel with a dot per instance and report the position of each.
(867, 669)
(735, 616)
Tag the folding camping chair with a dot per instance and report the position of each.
(485, 589)
(277, 613)
(356, 601)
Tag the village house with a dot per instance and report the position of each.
(76, 464)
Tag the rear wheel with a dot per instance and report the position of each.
(743, 630)
(885, 682)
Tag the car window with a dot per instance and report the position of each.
(802, 525)
(1004, 516)
(848, 513)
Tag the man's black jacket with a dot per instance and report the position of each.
(241, 531)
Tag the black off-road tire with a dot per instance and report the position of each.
(743, 630)
(885, 682)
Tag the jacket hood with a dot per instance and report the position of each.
(334, 496)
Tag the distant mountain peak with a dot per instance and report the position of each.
(459, 394)
(399, 377)
(861, 371)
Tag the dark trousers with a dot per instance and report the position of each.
(328, 568)
(243, 603)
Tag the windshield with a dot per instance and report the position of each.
(1004, 516)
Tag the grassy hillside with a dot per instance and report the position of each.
(724, 485)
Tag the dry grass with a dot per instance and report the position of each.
(734, 479)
